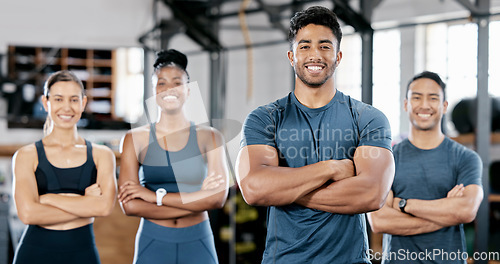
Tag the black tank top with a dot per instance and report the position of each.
(51, 179)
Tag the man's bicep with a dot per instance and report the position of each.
(252, 157)
(376, 162)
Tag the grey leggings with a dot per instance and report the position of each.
(164, 245)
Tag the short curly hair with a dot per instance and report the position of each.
(317, 15)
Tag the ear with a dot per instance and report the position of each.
(445, 107)
(405, 105)
(339, 58)
(45, 102)
(290, 57)
(84, 101)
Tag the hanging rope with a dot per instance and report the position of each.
(248, 44)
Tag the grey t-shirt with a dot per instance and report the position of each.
(303, 136)
(429, 175)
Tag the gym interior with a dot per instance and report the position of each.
(237, 52)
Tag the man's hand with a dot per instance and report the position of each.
(343, 169)
(131, 190)
(457, 191)
(93, 190)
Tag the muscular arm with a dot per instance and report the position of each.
(392, 221)
(29, 209)
(363, 193)
(91, 205)
(448, 211)
(263, 182)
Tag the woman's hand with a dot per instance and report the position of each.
(211, 182)
(131, 190)
(93, 190)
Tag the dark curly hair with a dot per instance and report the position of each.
(171, 57)
(317, 15)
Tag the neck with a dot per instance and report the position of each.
(314, 97)
(426, 139)
(173, 121)
(63, 137)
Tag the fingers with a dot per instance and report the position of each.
(213, 181)
(94, 190)
(457, 191)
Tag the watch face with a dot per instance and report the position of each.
(402, 203)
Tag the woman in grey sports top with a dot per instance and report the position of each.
(172, 171)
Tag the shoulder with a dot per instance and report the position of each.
(208, 134)
(139, 136)
(102, 152)
(273, 107)
(462, 153)
(365, 111)
(26, 153)
(139, 131)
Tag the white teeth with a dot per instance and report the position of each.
(424, 115)
(170, 97)
(314, 68)
(65, 117)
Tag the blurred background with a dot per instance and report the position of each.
(237, 55)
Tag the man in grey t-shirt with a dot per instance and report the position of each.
(317, 158)
(436, 188)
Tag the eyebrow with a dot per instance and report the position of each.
(60, 95)
(309, 41)
(175, 78)
(431, 94)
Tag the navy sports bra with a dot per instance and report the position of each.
(175, 171)
(51, 179)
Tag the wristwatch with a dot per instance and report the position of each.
(159, 196)
(402, 205)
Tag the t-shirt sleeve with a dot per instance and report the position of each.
(469, 167)
(259, 128)
(374, 128)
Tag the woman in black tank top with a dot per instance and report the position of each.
(62, 182)
(171, 173)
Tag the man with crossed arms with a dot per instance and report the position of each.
(437, 185)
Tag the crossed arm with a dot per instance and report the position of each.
(52, 209)
(330, 185)
(425, 216)
(137, 200)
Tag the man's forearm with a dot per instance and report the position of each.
(350, 196)
(392, 221)
(274, 185)
(446, 211)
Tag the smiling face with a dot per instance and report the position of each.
(171, 88)
(425, 105)
(314, 55)
(65, 103)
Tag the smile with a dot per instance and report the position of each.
(65, 117)
(424, 115)
(315, 68)
(169, 97)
